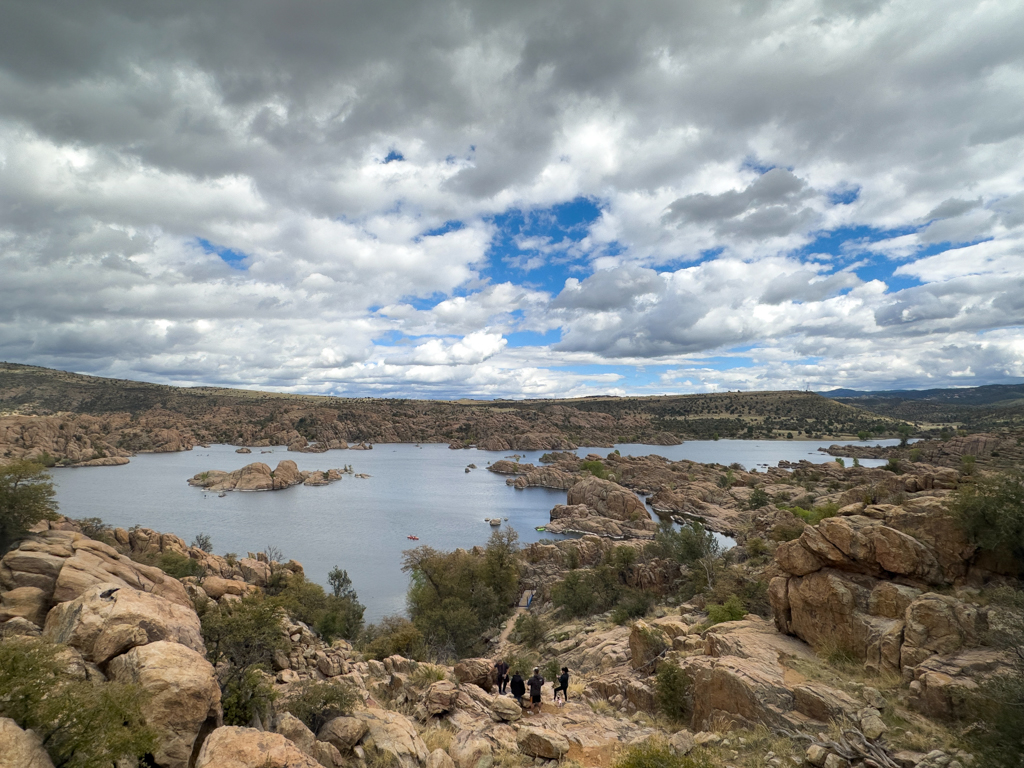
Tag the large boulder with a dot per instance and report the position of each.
(103, 623)
(61, 565)
(233, 747)
(252, 477)
(441, 697)
(21, 749)
(505, 709)
(470, 749)
(184, 697)
(393, 734)
(476, 672)
(608, 499)
(293, 729)
(540, 742)
(343, 732)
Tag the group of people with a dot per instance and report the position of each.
(517, 686)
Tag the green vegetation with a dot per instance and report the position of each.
(244, 636)
(596, 468)
(203, 542)
(314, 702)
(657, 754)
(759, 498)
(332, 615)
(393, 635)
(82, 724)
(529, 630)
(731, 610)
(991, 512)
(456, 596)
(26, 497)
(672, 692)
(815, 515)
(179, 566)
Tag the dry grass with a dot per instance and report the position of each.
(437, 737)
(602, 707)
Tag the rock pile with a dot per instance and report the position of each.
(259, 477)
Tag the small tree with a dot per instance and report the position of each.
(81, 724)
(991, 512)
(759, 498)
(203, 542)
(905, 431)
(672, 692)
(26, 497)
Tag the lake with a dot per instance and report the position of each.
(359, 525)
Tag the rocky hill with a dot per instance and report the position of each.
(67, 418)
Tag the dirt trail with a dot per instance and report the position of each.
(503, 637)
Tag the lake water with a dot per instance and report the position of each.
(359, 525)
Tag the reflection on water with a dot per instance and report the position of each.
(359, 525)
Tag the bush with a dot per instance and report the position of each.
(26, 497)
(893, 465)
(596, 468)
(672, 692)
(179, 566)
(81, 724)
(315, 702)
(203, 542)
(393, 635)
(731, 610)
(529, 630)
(991, 512)
(967, 464)
(815, 515)
(632, 604)
(756, 547)
(456, 596)
(688, 544)
(759, 498)
(330, 615)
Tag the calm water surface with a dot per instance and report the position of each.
(359, 525)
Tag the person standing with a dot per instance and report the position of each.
(563, 685)
(535, 684)
(502, 669)
(518, 687)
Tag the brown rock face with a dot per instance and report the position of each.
(20, 749)
(540, 742)
(259, 477)
(184, 695)
(343, 732)
(608, 499)
(105, 627)
(232, 747)
(476, 672)
(62, 565)
(441, 697)
(393, 734)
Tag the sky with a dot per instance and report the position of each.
(547, 198)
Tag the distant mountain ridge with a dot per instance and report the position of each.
(988, 394)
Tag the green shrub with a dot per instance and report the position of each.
(991, 512)
(529, 630)
(633, 604)
(596, 468)
(203, 541)
(788, 531)
(689, 543)
(863, 435)
(179, 566)
(393, 635)
(840, 462)
(732, 610)
(915, 454)
(893, 465)
(82, 724)
(759, 498)
(314, 702)
(672, 692)
(93, 527)
(967, 464)
(756, 547)
(330, 615)
(26, 497)
(815, 515)
(246, 694)
(427, 674)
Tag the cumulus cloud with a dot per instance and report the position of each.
(199, 193)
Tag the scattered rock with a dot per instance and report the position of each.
(234, 747)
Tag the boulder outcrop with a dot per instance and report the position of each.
(21, 749)
(234, 747)
(108, 620)
(184, 697)
(259, 477)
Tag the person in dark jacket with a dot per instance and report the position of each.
(502, 670)
(563, 685)
(535, 683)
(518, 687)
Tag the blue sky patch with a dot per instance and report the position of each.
(394, 156)
(234, 259)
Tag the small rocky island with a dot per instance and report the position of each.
(260, 477)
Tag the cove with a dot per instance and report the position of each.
(359, 525)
